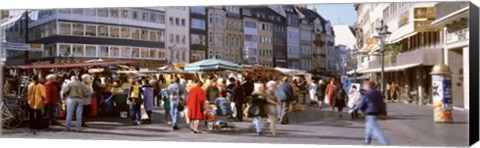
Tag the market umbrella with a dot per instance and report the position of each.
(171, 69)
(211, 65)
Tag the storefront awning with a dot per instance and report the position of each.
(390, 69)
(402, 33)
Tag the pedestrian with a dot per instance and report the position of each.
(196, 106)
(372, 101)
(36, 102)
(148, 98)
(87, 101)
(212, 92)
(258, 108)
(272, 105)
(321, 92)
(331, 93)
(312, 88)
(238, 96)
(340, 100)
(175, 93)
(99, 89)
(286, 96)
(393, 91)
(166, 106)
(156, 91)
(136, 100)
(52, 97)
(75, 92)
(248, 86)
(353, 99)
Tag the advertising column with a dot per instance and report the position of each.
(442, 94)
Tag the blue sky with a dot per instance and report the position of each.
(338, 14)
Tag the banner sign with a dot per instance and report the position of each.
(371, 42)
(425, 26)
(424, 13)
(442, 98)
(404, 18)
(22, 46)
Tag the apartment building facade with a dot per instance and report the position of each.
(198, 33)
(250, 37)
(216, 33)
(234, 34)
(293, 37)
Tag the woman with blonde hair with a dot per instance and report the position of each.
(272, 105)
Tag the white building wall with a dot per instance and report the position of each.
(250, 48)
(179, 53)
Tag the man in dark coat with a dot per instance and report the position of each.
(238, 96)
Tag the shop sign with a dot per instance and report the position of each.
(22, 46)
(424, 13)
(404, 18)
(425, 26)
(370, 43)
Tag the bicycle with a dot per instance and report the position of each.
(12, 112)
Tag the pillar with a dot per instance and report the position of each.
(466, 77)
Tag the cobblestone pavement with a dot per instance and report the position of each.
(406, 125)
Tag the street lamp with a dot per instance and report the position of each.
(382, 35)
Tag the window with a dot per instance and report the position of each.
(65, 11)
(153, 53)
(114, 12)
(77, 11)
(153, 35)
(135, 33)
(198, 10)
(126, 52)
(144, 16)
(78, 51)
(102, 12)
(171, 20)
(125, 32)
(114, 52)
(250, 24)
(77, 29)
(90, 51)
(177, 38)
(64, 50)
(183, 39)
(171, 38)
(136, 52)
(103, 31)
(197, 39)
(114, 32)
(177, 21)
(135, 15)
(210, 18)
(65, 28)
(161, 54)
(153, 17)
(161, 35)
(198, 24)
(144, 53)
(161, 18)
(125, 13)
(103, 52)
(183, 22)
(90, 30)
(144, 34)
(91, 12)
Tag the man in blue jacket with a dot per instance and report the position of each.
(372, 104)
(286, 96)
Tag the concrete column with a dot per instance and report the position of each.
(445, 50)
(421, 83)
(466, 78)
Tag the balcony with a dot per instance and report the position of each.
(425, 56)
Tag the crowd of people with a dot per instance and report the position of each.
(260, 100)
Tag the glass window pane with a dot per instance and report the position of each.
(153, 53)
(125, 32)
(135, 33)
(145, 16)
(183, 22)
(77, 11)
(177, 38)
(91, 51)
(198, 10)
(126, 52)
(103, 51)
(183, 39)
(102, 31)
(90, 30)
(144, 53)
(153, 35)
(102, 12)
(78, 50)
(161, 35)
(198, 24)
(91, 12)
(153, 17)
(171, 38)
(64, 50)
(66, 11)
(77, 29)
(161, 18)
(136, 52)
(114, 32)
(65, 28)
(114, 52)
(161, 54)
(144, 34)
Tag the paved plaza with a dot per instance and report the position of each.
(407, 125)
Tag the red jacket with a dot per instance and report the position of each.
(52, 93)
(196, 102)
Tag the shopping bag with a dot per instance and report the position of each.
(143, 113)
(326, 100)
(234, 109)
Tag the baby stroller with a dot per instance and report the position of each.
(216, 118)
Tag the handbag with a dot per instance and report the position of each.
(326, 100)
(143, 112)
(180, 106)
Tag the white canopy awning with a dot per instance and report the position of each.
(390, 69)
(11, 21)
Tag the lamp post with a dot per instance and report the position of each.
(382, 35)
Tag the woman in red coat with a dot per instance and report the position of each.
(195, 104)
(331, 92)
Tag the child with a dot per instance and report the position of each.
(166, 106)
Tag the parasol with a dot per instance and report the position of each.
(212, 65)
